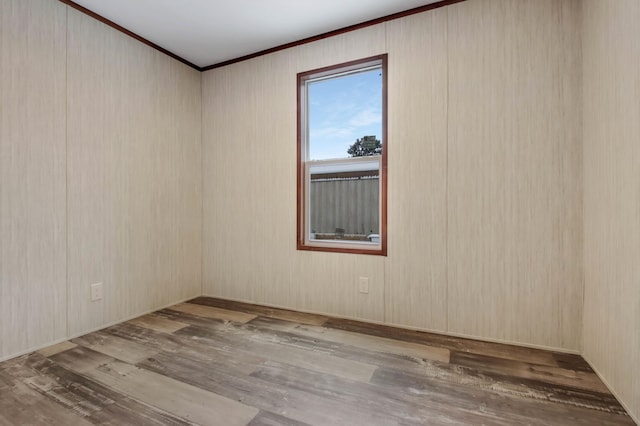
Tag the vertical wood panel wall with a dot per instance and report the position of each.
(249, 169)
(100, 178)
(134, 176)
(416, 266)
(33, 304)
(612, 194)
(485, 171)
(515, 171)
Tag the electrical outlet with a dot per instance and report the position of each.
(96, 292)
(363, 285)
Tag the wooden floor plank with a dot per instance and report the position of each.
(212, 361)
(153, 340)
(291, 403)
(115, 347)
(506, 385)
(247, 342)
(369, 342)
(157, 323)
(187, 401)
(211, 312)
(555, 375)
(22, 405)
(182, 399)
(378, 401)
(319, 362)
(263, 311)
(56, 349)
(93, 401)
(466, 376)
(272, 346)
(266, 418)
(531, 355)
(81, 359)
(571, 362)
(514, 407)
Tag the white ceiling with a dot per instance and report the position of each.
(207, 32)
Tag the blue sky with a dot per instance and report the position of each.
(342, 110)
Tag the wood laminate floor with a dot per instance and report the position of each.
(214, 362)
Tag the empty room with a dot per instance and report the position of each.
(400, 212)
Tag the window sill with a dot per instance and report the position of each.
(345, 246)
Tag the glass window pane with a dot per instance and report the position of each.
(344, 201)
(342, 171)
(345, 111)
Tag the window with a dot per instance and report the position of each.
(342, 158)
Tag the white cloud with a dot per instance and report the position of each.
(332, 132)
(366, 117)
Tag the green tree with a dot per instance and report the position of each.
(366, 146)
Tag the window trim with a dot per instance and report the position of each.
(302, 192)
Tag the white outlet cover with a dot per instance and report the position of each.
(363, 285)
(96, 292)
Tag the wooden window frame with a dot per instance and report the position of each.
(302, 186)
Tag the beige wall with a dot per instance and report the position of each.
(100, 175)
(33, 291)
(485, 171)
(612, 194)
(134, 175)
(249, 170)
(515, 171)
